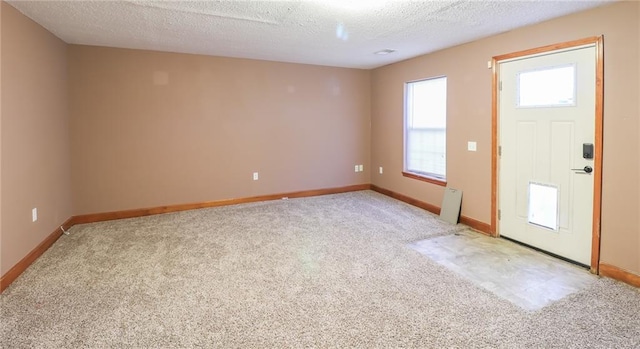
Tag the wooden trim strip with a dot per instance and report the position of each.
(494, 148)
(476, 225)
(107, 216)
(472, 223)
(597, 175)
(548, 48)
(13, 273)
(425, 179)
(619, 274)
(409, 200)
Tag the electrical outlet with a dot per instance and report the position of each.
(255, 176)
(380, 170)
(360, 168)
(356, 169)
(34, 214)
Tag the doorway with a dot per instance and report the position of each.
(547, 149)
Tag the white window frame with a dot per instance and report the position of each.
(436, 177)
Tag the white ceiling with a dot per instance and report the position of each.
(343, 33)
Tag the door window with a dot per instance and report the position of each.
(547, 87)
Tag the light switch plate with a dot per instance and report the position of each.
(472, 146)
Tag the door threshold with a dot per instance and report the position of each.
(547, 253)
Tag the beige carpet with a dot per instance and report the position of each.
(332, 271)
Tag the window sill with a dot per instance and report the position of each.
(424, 178)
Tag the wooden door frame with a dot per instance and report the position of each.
(597, 161)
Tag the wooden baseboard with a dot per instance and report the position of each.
(472, 223)
(411, 201)
(476, 225)
(19, 268)
(25, 262)
(619, 274)
(107, 216)
(6, 279)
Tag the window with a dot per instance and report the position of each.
(549, 87)
(425, 133)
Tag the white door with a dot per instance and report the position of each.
(546, 125)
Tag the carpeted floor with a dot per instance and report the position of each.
(330, 271)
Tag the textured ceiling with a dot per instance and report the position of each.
(343, 33)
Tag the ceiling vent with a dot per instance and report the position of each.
(385, 51)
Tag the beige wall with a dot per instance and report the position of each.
(469, 119)
(151, 128)
(35, 135)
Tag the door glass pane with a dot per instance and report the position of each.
(543, 205)
(548, 87)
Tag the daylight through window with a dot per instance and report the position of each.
(426, 128)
